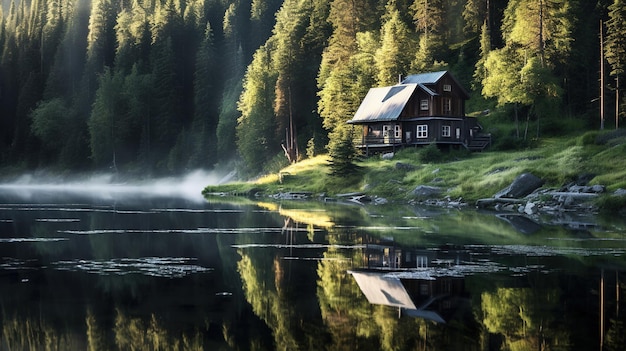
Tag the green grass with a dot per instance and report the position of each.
(556, 160)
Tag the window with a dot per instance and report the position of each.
(447, 87)
(424, 105)
(397, 132)
(422, 131)
(386, 129)
(445, 131)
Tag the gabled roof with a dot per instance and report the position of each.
(424, 78)
(381, 289)
(384, 103)
(385, 289)
(430, 78)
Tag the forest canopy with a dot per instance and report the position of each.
(165, 86)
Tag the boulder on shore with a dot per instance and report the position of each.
(426, 191)
(523, 185)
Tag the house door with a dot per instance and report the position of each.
(386, 133)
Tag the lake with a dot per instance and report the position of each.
(119, 268)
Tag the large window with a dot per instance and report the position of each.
(397, 131)
(445, 131)
(422, 131)
(424, 105)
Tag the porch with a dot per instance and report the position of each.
(372, 144)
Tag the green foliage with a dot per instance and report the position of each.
(50, 119)
(615, 45)
(430, 154)
(611, 204)
(176, 101)
(394, 55)
(256, 128)
(588, 138)
(343, 157)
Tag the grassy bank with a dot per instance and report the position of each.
(470, 176)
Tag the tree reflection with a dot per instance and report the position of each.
(137, 334)
(525, 317)
(23, 333)
(345, 312)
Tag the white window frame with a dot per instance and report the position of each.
(422, 131)
(447, 87)
(424, 104)
(386, 129)
(397, 131)
(446, 131)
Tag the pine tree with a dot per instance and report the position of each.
(615, 48)
(538, 36)
(343, 156)
(257, 125)
(204, 151)
(103, 122)
(394, 56)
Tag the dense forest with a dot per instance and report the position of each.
(152, 87)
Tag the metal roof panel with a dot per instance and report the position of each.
(384, 103)
(424, 78)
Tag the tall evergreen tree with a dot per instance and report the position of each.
(394, 56)
(538, 37)
(257, 126)
(485, 48)
(204, 153)
(234, 70)
(105, 128)
(615, 48)
(166, 99)
(336, 79)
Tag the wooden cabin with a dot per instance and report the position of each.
(422, 109)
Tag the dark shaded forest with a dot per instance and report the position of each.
(154, 87)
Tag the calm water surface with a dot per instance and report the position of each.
(133, 271)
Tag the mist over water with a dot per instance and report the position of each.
(107, 186)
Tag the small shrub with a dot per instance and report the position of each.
(431, 154)
(588, 138)
(509, 142)
(612, 204)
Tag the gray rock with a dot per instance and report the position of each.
(425, 191)
(405, 166)
(380, 201)
(585, 178)
(578, 189)
(530, 208)
(388, 156)
(598, 189)
(620, 192)
(523, 185)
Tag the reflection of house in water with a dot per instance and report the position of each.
(387, 255)
(400, 277)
